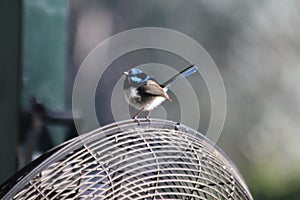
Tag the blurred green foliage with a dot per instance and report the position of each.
(44, 50)
(44, 40)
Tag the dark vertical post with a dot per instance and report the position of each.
(9, 84)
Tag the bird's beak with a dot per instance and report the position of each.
(126, 73)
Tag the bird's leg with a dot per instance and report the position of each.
(136, 116)
(148, 116)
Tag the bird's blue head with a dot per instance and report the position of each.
(137, 76)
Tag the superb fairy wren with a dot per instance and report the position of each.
(144, 93)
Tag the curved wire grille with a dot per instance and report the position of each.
(162, 160)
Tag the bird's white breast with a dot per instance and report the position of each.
(133, 98)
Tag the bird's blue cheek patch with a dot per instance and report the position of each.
(135, 79)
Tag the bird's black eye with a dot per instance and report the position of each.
(142, 76)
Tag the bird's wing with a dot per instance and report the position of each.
(153, 88)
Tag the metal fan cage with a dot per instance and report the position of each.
(161, 160)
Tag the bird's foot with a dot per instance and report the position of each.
(148, 119)
(136, 120)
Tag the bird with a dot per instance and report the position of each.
(144, 93)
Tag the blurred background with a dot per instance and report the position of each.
(255, 44)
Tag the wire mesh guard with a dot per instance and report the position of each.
(161, 160)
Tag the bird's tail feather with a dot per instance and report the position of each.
(184, 73)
